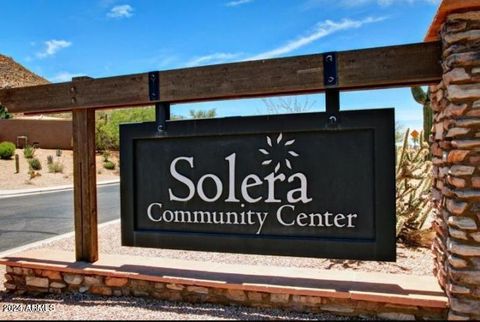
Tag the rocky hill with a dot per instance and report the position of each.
(12, 74)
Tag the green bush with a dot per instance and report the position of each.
(49, 159)
(55, 167)
(28, 151)
(35, 164)
(109, 165)
(107, 129)
(106, 156)
(107, 125)
(7, 150)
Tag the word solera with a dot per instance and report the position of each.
(252, 180)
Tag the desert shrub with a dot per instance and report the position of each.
(107, 130)
(35, 164)
(201, 114)
(28, 152)
(4, 115)
(106, 156)
(7, 150)
(413, 201)
(107, 124)
(58, 153)
(55, 167)
(49, 159)
(109, 165)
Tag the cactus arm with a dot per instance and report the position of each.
(419, 95)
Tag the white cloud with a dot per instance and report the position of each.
(356, 3)
(216, 58)
(236, 3)
(121, 11)
(52, 47)
(321, 30)
(63, 77)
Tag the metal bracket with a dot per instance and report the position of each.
(330, 76)
(162, 115)
(332, 95)
(332, 104)
(154, 86)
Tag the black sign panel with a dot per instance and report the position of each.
(278, 185)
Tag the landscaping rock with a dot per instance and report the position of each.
(236, 295)
(456, 74)
(462, 249)
(51, 275)
(456, 156)
(459, 234)
(461, 170)
(279, 298)
(93, 280)
(101, 290)
(466, 223)
(58, 285)
(254, 296)
(197, 289)
(456, 207)
(176, 287)
(116, 282)
(36, 281)
(396, 316)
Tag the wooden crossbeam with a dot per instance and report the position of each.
(394, 66)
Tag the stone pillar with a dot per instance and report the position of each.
(456, 157)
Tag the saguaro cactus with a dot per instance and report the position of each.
(424, 98)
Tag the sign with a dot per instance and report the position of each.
(278, 185)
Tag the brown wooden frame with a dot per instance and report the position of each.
(357, 69)
(384, 67)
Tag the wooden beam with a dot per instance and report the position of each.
(394, 66)
(85, 185)
(446, 8)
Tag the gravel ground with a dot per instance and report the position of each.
(9, 180)
(82, 306)
(89, 307)
(414, 261)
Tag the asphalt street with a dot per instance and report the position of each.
(35, 217)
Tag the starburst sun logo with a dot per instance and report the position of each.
(278, 145)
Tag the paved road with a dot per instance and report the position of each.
(27, 219)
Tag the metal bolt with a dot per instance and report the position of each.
(329, 58)
(331, 79)
(332, 119)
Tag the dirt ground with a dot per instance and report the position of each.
(10, 180)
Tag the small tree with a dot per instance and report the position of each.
(288, 105)
(201, 114)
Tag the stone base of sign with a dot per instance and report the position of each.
(305, 290)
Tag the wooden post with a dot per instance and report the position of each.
(85, 185)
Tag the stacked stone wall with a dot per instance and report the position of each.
(21, 280)
(456, 157)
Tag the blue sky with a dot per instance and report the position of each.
(99, 38)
